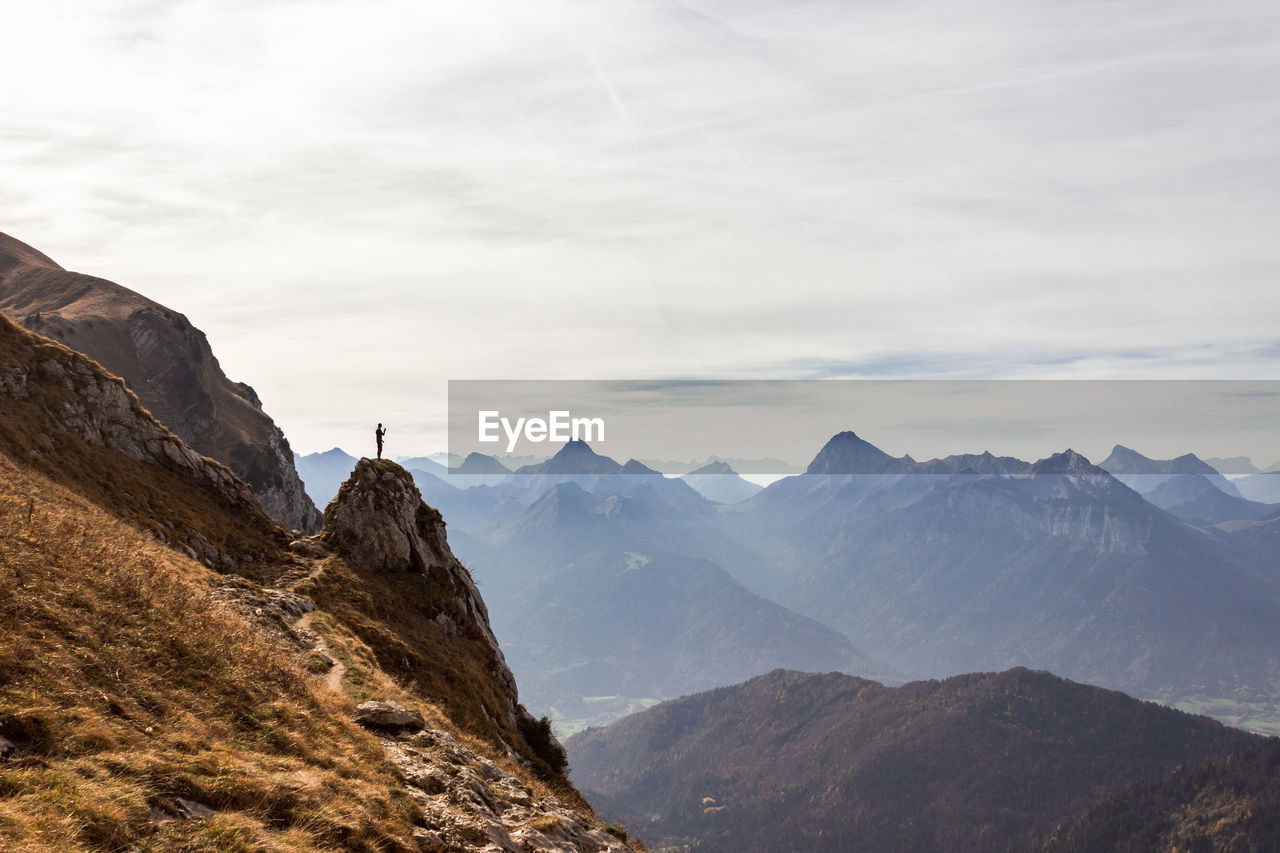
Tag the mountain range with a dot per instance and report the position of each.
(180, 670)
(1064, 569)
(970, 562)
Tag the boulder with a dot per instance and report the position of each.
(388, 716)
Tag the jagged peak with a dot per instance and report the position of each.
(1066, 462)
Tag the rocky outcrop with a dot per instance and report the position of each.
(468, 803)
(379, 523)
(167, 363)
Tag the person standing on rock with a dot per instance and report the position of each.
(378, 434)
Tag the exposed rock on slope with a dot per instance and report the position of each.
(167, 362)
(65, 414)
(380, 524)
(469, 803)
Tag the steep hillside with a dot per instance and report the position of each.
(1221, 806)
(148, 702)
(127, 697)
(65, 416)
(166, 362)
(793, 761)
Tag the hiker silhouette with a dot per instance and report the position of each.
(378, 434)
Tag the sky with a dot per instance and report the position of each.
(359, 202)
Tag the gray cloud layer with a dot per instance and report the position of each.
(361, 201)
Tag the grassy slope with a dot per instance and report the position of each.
(121, 683)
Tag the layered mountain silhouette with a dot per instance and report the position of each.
(1144, 474)
(1264, 487)
(323, 473)
(480, 463)
(1064, 568)
(980, 762)
(1232, 466)
(718, 482)
(166, 362)
(970, 562)
(601, 593)
(652, 625)
(1194, 498)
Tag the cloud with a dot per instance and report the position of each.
(360, 201)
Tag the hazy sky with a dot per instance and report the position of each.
(360, 201)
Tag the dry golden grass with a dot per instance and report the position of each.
(121, 682)
(374, 624)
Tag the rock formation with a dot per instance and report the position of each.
(167, 363)
(470, 804)
(379, 522)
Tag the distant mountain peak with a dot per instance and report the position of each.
(715, 467)
(576, 457)
(1126, 460)
(846, 453)
(1066, 462)
(480, 463)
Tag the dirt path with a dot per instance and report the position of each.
(332, 678)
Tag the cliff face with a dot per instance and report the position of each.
(167, 363)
